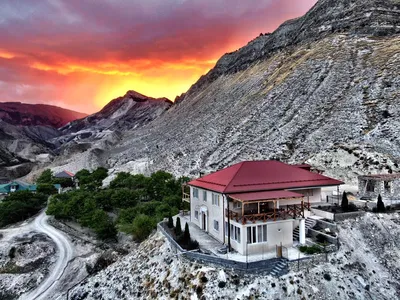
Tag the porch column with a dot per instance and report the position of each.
(302, 231)
(274, 210)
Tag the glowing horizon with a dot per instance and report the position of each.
(80, 55)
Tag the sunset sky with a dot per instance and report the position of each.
(80, 54)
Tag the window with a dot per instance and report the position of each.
(216, 225)
(195, 193)
(235, 232)
(215, 199)
(205, 196)
(196, 214)
(256, 234)
(370, 186)
(237, 205)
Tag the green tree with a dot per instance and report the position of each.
(64, 182)
(45, 177)
(46, 188)
(380, 206)
(127, 215)
(103, 226)
(178, 227)
(160, 185)
(120, 181)
(104, 199)
(186, 235)
(123, 198)
(345, 202)
(142, 226)
(19, 206)
(99, 175)
(170, 222)
(84, 177)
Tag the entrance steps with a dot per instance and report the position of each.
(280, 268)
(309, 222)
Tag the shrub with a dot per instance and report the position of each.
(321, 238)
(178, 228)
(345, 202)
(142, 226)
(352, 207)
(45, 177)
(47, 189)
(310, 249)
(380, 206)
(193, 245)
(170, 222)
(327, 277)
(186, 234)
(11, 254)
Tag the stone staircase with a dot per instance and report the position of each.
(280, 268)
(310, 223)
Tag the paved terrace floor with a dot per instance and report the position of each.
(208, 243)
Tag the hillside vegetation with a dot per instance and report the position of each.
(132, 203)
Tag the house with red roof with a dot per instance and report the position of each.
(65, 174)
(253, 206)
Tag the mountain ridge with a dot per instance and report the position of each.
(26, 114)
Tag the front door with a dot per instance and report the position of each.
(204, 222)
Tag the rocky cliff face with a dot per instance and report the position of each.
(123, 113)
(322, 88)
(367, 254)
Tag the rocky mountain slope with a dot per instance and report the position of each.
(322, 88)
(123, 113)
(23, 114)
(25, 131)
(365, 267)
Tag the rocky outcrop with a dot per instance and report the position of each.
(124, 113)
(354, 272)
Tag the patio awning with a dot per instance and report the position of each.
(265, 195)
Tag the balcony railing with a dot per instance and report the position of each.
(186, 197)
(290, 211)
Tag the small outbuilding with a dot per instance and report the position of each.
(65, 174)
(386, 185)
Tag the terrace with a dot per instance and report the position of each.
(266, 206)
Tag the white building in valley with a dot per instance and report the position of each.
(255, 205)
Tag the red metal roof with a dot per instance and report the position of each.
(251, 176)
(265, 195)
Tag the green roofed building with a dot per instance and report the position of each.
(18, 185)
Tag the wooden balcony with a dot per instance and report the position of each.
(186, 197)
(289, 212)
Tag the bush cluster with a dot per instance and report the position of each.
(20, 205)
(183, 238)
(310, 249)
(139, 202)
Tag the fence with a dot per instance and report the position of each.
(259, 266)
(306, 263)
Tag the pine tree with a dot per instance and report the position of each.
(170, 222)
(178, 228)
(380, 206)
(186, 234)
(345, 202)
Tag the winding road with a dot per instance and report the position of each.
(65, 253)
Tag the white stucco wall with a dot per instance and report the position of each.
(314, 197)
(213, 212)
(277, 232)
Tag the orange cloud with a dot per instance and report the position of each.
(82, 54)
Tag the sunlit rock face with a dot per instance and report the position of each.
(320, 85)
(321, 89)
